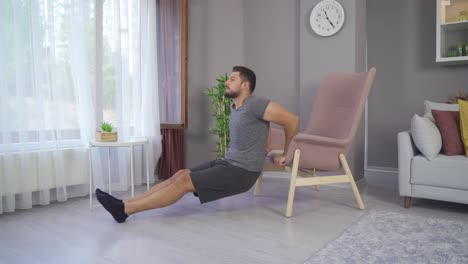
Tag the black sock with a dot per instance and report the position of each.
(113, 205)
(108, 195)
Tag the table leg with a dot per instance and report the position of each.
(90, 172)
(131, 171)
(109, 167)
(147, 165)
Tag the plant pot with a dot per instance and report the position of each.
(106, 136)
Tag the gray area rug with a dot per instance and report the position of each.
(386, 237)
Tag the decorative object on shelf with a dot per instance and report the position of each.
(220, 105)
(461, 51)
(462, 16)
(327, 18)
(452, 52)
(106, 135)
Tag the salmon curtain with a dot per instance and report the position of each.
(172, 156)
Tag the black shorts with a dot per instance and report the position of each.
(217, 179)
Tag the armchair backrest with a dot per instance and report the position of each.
(339, 105)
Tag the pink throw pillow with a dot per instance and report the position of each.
(448, 123)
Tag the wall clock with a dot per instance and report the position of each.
(327, 18)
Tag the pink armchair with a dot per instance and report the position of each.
(324, 144)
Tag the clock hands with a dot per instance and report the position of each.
(326, 15)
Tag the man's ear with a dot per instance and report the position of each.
(245, 85)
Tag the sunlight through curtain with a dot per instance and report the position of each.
(47, 114)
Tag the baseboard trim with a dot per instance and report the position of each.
(382, 177)
(381, 169)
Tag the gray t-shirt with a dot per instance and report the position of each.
(248, 134)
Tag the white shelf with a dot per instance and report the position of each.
(450, 34)
(455, 26)
(453, 60)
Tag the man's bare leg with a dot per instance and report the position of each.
(158, 186)
(163, 197)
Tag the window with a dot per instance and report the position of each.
(120, 69)
(45, 58)
(38, 101)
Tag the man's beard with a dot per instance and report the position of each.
(231, 94)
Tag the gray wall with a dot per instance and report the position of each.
(272, 49)
(344, 52)
(278, 44)
(319, 56)
(401, 45)
(215, 44)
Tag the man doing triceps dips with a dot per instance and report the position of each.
(237, 172)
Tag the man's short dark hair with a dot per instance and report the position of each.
(246, 74)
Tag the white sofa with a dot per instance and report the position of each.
(444, 178)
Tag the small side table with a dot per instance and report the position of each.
(130, 143)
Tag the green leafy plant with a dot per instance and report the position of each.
(220, 106)
(106, 127)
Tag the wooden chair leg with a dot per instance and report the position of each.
(314, 174)
(257, 184)
(351, 180)
(407, 202)
(292, 184)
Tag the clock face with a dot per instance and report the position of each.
(327, 18)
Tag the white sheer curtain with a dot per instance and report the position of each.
(47, 60)
(170, 12)
(130, 88)
(45, 109)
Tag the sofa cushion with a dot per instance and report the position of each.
(442, 171)
(448, 123)
(429, 106)
(426, 136)
(464, 123)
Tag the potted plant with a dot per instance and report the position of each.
(106, 134)
(220, 105)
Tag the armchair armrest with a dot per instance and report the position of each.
(406, 151)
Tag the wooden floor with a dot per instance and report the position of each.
(240, 229)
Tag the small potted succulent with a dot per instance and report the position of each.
(106, 135)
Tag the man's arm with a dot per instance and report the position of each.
(290, 122)
(268, 146)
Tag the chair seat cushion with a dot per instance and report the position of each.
(442, 171)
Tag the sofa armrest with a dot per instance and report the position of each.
(406, 151)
